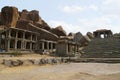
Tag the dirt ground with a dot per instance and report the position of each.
(71, 71)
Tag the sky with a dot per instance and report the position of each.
(74, 15)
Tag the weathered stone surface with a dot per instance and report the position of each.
(28, 62)
(90, 35)
(84, 41)
(71, 34)
(17, 62)
(54, 61)
(43, 61)
(78, 36)
(49, 61)
(33, 16)
(58, 31)
(23, 14)
(9, 16)
(42, 24)
(23, 24)
(64, 60)
(37, 62)
(7, 63)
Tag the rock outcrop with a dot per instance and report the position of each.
(33, 16)
(9, 16)
(58, 31)
(42, 24)
(90, 35)
(23, 14)
(71, 34)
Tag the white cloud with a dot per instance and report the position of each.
(72, 9)
(93, 7)
(111, 7)
(77, 9)
(103, 22)
(107, 2)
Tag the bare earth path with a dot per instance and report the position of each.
(72, 71)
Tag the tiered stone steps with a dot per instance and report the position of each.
(103, 48)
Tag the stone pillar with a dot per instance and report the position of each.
(36, 37)
(16, 40)
(98, 34)
(30, 46)
(31, 42)
(7, 40)
(47, 45)
(8, 44)
(23, 41)
(66, 48)
(43, 46)
(105, 35)
(9, 34)
(31, 37)
(51, 46)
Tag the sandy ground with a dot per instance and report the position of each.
(72, 71)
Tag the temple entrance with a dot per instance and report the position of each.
(102, 33)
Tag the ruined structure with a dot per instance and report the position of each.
(26, 32)
(66, 47)
(106, 46)
(103, 33)
(72, 44)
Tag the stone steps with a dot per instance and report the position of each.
(107, 47)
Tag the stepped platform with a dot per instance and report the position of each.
(103, 48)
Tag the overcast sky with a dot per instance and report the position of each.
(74, 15)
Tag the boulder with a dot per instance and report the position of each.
(58, 31)
(90, 35)
(42, 24)
(37, 62)
(43, 61)
(33, 16)
(77, 37)
(84, 41)
(23, 14)
(23, 24)
(49, 61)
(9, 16)
(7, 63)
(71, 34)
(28, 62)
(17, 62)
